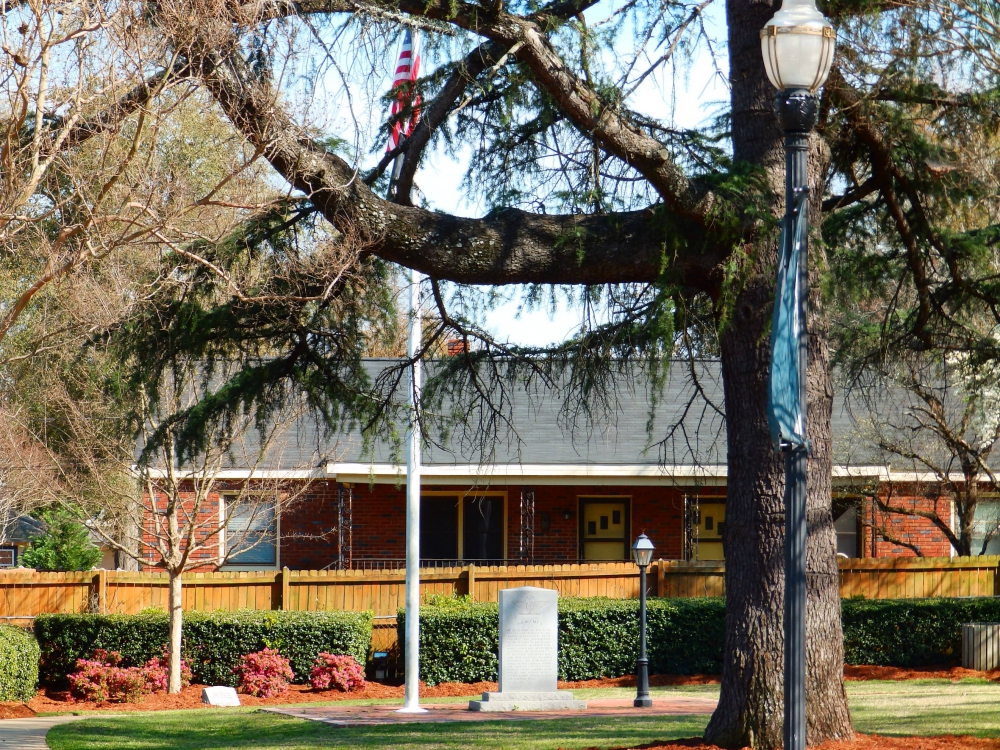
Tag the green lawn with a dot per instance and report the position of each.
(926, 707)
(208, 730)
(922, 707)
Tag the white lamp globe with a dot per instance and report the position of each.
(797, 44)
(642, 551)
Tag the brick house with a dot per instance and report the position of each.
(554, 493)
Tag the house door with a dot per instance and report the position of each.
(711, 521)
(604, 533)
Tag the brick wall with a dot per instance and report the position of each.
(204, 559)
(309, 538)
(920, 532)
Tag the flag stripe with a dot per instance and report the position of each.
(407, 68)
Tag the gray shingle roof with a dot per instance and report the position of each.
(683, 426)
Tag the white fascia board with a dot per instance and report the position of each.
(225, 474)
(540, 474)
(879, 473)
(887, 474)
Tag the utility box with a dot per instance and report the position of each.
(981, 646)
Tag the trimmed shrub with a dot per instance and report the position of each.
(598, 637)
(459, 640)
(18, 664)
(264, 674)
(911, 632)
(337, 672)
(214, 642)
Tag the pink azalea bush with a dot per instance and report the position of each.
(337, 672)
(157, 672)
(264, 674)
(101, 678)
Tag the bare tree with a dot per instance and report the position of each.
(936, 417)
(177, 512)
(25, 472)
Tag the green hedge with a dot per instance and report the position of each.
(214, 642)
(18, 664)
(911, 632)
(598, 637)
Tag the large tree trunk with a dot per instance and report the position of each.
(176, 622)
(751, 705)
(750, 708)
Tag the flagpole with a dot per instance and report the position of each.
(411, 637)
(411, 702)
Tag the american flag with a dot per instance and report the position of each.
(407, 69)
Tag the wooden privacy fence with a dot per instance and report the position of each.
(25, 593)
(871, 578)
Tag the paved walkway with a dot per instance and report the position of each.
(29, 734)
(361, 716)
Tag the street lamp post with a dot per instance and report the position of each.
(642, 553)
(797, 45)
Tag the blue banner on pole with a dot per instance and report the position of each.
(785, 410)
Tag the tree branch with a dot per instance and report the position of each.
(506, 247)
(606, 124)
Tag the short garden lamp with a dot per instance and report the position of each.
(642, 553)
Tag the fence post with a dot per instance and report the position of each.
(286, 599)
(102, 591)
(472, 581)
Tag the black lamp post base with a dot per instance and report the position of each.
(643, 703)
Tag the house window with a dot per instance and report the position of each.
(846, 518)
(604, 528)
(986, 526)
(439, 527)
(463, 527)
(8, 557)
(252, 533)
(482, 528)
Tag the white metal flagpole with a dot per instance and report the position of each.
(406, 70)
(412, 635)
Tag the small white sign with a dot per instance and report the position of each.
(220, 695)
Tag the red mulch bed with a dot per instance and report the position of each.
(862, 742)
(56, 700)
(10, 710)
